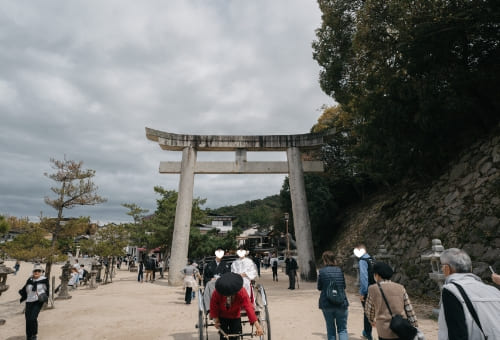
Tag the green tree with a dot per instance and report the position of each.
(109, 242)
(136, 212)
(322, 209)
(75, 188)
(4, 226)
(418, 78)
(30, 246)
(201, 245)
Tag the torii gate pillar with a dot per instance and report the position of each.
(295, 167)
(305, 249)
(182, 223)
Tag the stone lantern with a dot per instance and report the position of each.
(436, 273)
(4, 271)
(65, 276)
(383, 256)
(93, 274)
(98, 267)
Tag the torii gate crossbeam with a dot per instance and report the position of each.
(188, 167)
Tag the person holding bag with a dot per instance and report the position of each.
(388, 306)
(36, 293)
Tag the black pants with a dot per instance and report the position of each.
(275, 273)
(31, 315)
(291, 279)
(189, 294)
(230, 326)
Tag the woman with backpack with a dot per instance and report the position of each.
(332, 300)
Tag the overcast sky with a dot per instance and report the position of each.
(83, 79)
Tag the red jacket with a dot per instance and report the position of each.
(218, 308)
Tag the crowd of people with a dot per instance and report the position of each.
(469, 308)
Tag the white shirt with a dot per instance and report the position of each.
(247, 266)
(40, 288)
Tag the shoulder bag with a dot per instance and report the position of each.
(43, 297)
(399, 325)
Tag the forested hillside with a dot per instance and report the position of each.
(264, 212)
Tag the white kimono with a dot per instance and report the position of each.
(247, 266)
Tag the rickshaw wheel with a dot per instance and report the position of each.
(201, 326)
(265, 324)
(264, 320)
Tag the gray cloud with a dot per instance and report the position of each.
(82, 79)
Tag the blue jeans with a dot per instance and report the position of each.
(336, 321)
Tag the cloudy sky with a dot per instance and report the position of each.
(82, 80)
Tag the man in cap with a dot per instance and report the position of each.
(226, 303)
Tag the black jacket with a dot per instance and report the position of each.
(30, 281)
(212, 269)
(290, 265)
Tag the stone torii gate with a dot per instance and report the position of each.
(188, 167)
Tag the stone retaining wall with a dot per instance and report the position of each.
(462, 208)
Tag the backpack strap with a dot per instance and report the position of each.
(470, 307)
(383, 296)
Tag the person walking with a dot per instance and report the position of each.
(365, 279)
(291, 270)
(140, 272)
(37, 285)
(274, 267)
(257, 259)
(335, 314)
(189, 272)
(395, 294)
(16, 267)
(148, 266)
(470, 309)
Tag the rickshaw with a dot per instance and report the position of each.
(261, 311)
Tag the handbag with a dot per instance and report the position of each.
(399, 325)
(43, 297)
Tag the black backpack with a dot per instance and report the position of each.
(335, 294)
(275, 264)
(370, 261)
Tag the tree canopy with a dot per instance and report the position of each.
(75, 187)
(417, 80)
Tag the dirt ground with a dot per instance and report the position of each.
(126, 309)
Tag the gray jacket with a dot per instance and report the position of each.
(486, 302)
